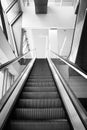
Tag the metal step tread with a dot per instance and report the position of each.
(39, 95)
(40, 83)
(39, 89)
(39, 114)
(44, 125)
(39, 103)
(40, 72)
(40, 80)
(39, 106)
(40, 76)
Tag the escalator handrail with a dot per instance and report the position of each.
(9, 91)
(71, 65)
(15, 91)
(79, 108)
(2, 66)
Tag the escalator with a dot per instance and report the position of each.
(39, 106)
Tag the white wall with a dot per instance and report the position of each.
(6, 53)
(38, 39)
(17, 32)
(57, 17)
(53, 40)
(57, 40)
(5, 49)
(64, 42)
(60, 41)
(39, 42)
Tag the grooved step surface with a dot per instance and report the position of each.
(39, 114)
(36, 95)
(39, 103)
(39, 89)
(40, 83)
(39, 80)
(39, 106)
(40, 77)
(49, 125)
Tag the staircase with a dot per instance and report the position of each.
(39, 106)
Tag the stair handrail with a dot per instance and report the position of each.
(8, 102)
(71, 65)
(2, 66)
(78, 106)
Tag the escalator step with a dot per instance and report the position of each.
(39, 103)
(39, 106)
(40, 83)
(40, 77)
(41, 73)
(39, 114)
(49, 125)
(39, 70)
(41, 95)
(40, 80)
(39, 89)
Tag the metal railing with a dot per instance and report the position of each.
(72, 65)
(11, 97)
(78, 106)
(2, 66)
(6, 65)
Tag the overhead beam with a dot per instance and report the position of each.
(41, 6)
